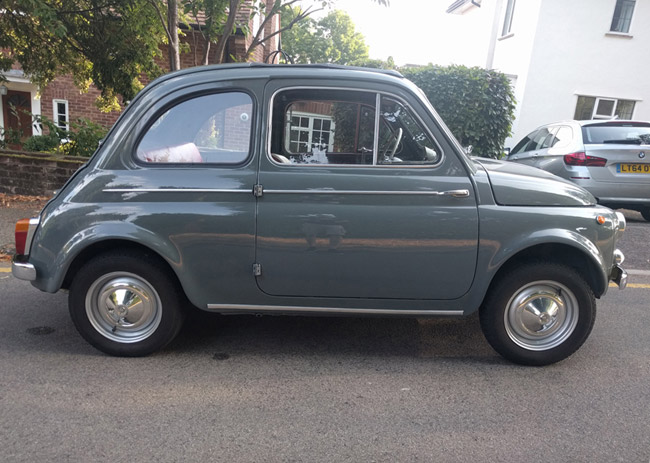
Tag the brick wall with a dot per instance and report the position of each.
(79, 104)
(35, 174)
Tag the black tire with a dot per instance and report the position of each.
(645, 212)
(538, 313)
(126, 304)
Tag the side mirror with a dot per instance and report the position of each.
(506, 152)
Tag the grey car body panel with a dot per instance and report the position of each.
(203, 219)
(520, 185)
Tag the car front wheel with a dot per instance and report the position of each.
(126, 305)
(538, 314)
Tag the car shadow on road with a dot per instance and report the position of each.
(230, 335)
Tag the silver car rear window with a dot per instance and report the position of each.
(632, 133)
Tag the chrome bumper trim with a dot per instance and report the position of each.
(23, 270)
(619, 276)
(334, 310)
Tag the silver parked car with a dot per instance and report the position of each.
(610, 159)
(314, 190)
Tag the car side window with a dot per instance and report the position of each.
(402, 139)
(563, 137)
(541, 140)
(523, 143)
(323, 127)
(213, 128)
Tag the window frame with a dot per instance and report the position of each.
(506, 26)
(617, 7)
(378, 95)
(598, 99)
(55, 113)
(153, 117)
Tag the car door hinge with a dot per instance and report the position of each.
(258, 191)
(257, 270)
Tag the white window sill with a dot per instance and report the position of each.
(507, 36)
(622, 35)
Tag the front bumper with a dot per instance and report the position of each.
(22, 269)
(619, 276)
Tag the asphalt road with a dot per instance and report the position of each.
(246, 389)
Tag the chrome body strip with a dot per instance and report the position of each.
(23, 270)
(454, 193)
(175, 190)
(280, 308)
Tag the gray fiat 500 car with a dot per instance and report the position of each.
(314, 190)
(611, 159)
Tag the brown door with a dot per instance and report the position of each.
(16, 110)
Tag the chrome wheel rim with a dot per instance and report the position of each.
(123, 307)
(541, 315)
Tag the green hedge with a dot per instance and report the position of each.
(477, 104)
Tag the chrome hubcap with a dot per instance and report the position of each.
(541, 315)
(123, 307)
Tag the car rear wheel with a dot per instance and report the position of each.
(126, 305)
(538, 314)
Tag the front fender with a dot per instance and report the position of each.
(543, 232)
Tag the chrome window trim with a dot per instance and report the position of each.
(375, 143)
(281, 308)
(379, 93)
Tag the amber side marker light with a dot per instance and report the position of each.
(22, 229)
(601, 220)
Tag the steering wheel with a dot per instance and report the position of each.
(393, 148)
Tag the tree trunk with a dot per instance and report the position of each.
(174, 48)
(220, 47)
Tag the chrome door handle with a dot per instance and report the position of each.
(455, 193)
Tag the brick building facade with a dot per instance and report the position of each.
(61, 101)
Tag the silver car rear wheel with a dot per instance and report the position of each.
(127, 303)
(123, 307)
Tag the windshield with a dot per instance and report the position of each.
(633, 133)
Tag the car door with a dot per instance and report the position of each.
(359, 204)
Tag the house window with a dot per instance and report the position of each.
(507, 20)
(622, 16)
(60, 112)
(309, 131)
(590, 107)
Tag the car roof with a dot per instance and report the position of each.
(611, 121)
(584, 123)
(285, 70)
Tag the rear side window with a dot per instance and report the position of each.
(628, 133)
(563, 137)
(539, 139)
(209, 128)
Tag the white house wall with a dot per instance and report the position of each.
(570, 52)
